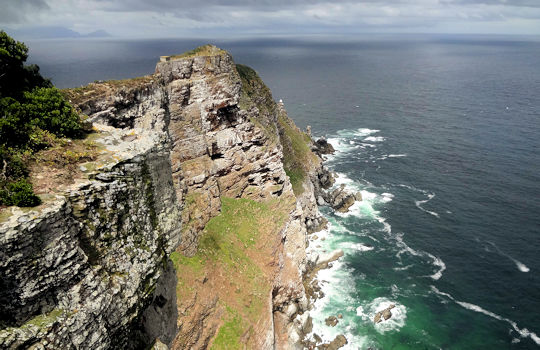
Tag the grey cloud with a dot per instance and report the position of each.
(16, 11)
(165, 5)
(516, 3)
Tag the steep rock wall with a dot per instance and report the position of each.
(183, 141)
(78, 270)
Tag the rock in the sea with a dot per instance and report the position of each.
(321, 146)
(386, 314)
(331, 321)
(341, 200)
(338, 342)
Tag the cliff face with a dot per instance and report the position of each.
(79, 269)
(187, 228)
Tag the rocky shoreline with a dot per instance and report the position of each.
(339, 199)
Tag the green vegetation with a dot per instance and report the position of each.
(230, 332)
(194, 263)
(296, 151)
(297, 155)
(256, 94)
(205, 50)
(234, 252)
(33, 114)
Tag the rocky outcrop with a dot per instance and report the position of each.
(90, 268)
(79, 270)
(383, 314)
(321, 146)
(340, 199)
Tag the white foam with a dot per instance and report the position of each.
(386, 226)
(419, 205)
(403, 268)
(386, 197)
(343, 179)
(365, 132)
(342, 145)
(363, 208)
(368, 312)
(374, 139)
(368, 145)
(523, 332)
(360, 247)
(521, 266)
(436, 261)
(440, 264)
(412, 188)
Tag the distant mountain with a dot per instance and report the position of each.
(56, 32)
(97, 34)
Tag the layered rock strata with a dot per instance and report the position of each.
(90, 268)
(79, 270)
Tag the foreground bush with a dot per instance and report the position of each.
(32, 114)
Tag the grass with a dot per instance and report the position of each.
(195, 263)
(233, 255)
(297, 155)
(255, 93)
(205, 50)
(230, 332)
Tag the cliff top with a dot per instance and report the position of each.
(205, 50)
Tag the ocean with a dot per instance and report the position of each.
(440, 134)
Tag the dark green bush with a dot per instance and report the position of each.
(47, 109)
(31, 112)
(15, 77)
(19, 193)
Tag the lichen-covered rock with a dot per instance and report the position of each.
(81, 268)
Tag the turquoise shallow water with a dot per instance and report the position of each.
(442, 136)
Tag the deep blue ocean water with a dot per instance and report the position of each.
(441, 134)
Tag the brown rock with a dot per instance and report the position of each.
(335, 344)
(386, 314)
(331, 321)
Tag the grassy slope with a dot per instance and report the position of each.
(234, 252)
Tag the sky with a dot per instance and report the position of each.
(237, 18)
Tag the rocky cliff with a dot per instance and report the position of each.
(189, 227)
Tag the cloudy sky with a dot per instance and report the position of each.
(177, 18)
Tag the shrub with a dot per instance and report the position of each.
(19, 193)
(47, 109)
(32, 114)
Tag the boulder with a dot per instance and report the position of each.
(383, 314)
(338, 342)
(331, 321)
(341, 200)
(321, 146)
